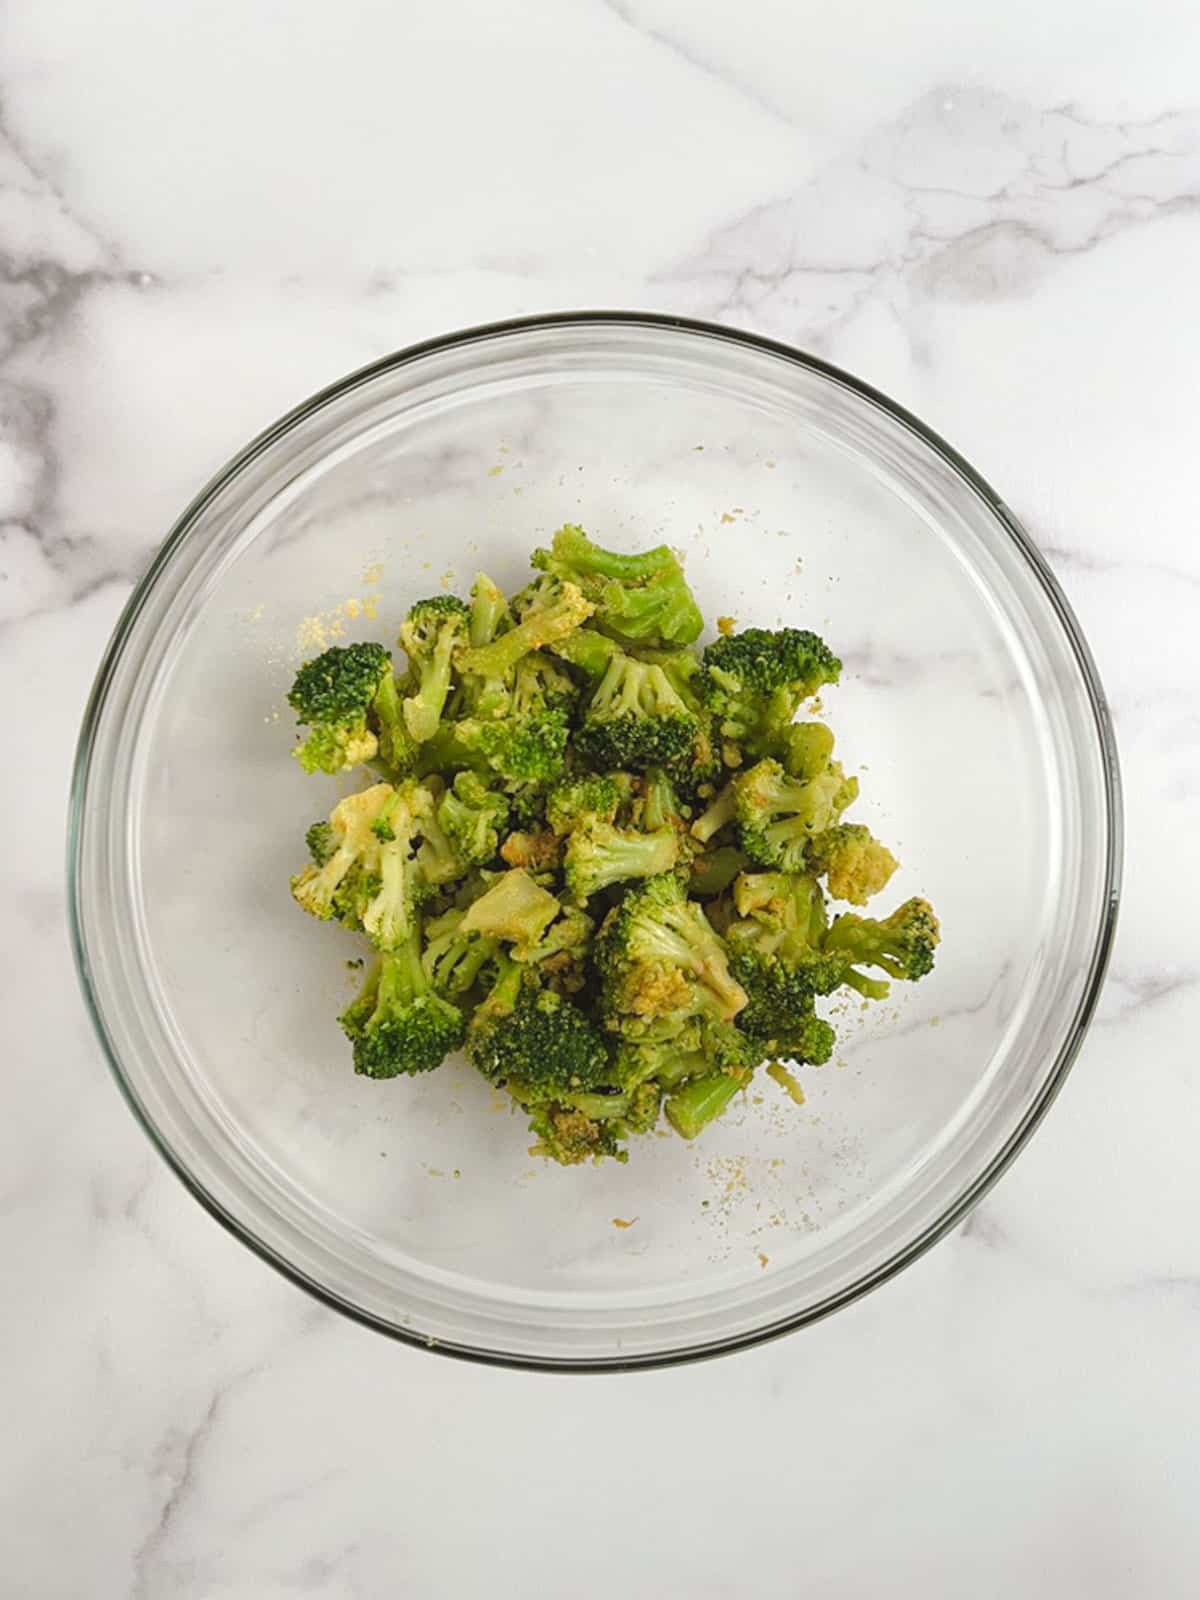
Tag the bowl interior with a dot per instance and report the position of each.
(795, 498)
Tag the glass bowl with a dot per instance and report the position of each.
(969, 704)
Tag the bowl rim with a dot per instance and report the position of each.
(1101, 722)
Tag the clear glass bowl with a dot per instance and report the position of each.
(969, 704)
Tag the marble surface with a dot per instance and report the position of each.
(992, 212)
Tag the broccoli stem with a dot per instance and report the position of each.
(488, 606)
(690, 1109)
(588, 650)
(714, 872)
(711, 822)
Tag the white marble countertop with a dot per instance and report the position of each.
(990, 211)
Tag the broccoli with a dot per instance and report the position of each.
(397, 1024)
(718, 815)
(853, 862)
(805, 749)
(547, 612)
(660, 806)
(473, 818)
(349, 847)
(538, 852)
(576, 799)
(587, 651)
(755, 681)
(539, 685)
(599, 854)
(525, 750)
(777, 816)
(700, 1101)
(542, 1046)
(514, 909)
(389, 918)
(901, 945)
(347, 697)
(638, 599)
(431, 633)
(452, 959)
(715, 870)
(489, 611)
(570, 1137)
(439, 860)
(780, 1014)
(636, 719)
(657, 956)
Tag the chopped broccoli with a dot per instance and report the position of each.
(578, 800)
(638, 599)
(718, 814)
(453, 959)
(347, 697)
(542, 1048)
(700, 1101)
(431, 633)
(473, 817)
(547, 612)
(901, 945)
(489, 611)
(715, 870)
(805, 749)
(777, 816)
(755, 681)
(350, 848)
(637, 719)
(853, 862)
(660, 806)
(397, 1024)
(587, 651)
(657, 955)
(521, 750)
(515, 909)
(599, 854)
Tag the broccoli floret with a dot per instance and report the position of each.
(657, 955)
(636, 719)
(389, 918)
(700, 1101)
(780, 1015)
(543, 1047)
(439, 860)
(547, 612)
(659, 805)
(539, 685)
(347, 698)
(718, 814)
(782, 916)
(397, 1024)
(755, 681)
(431, 633)
(638, 599)
(562, 946)
(569, 1137)
(452, 960)
(777, 816)
(853, 862)
(489, 611)
(805, 749)
(473, 817)
(521, 750)
(587, 651)
(350, 848)
(576, 799)
(599, 854)
(514, 909)
(901, 945)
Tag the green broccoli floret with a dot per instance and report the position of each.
(569, 1137)
(347, 697)
(755, 681)
(853, 862)
(587, 651)
(659, 805)
(700, 1101)
(431, 634)
(638, 599)
(780, 1015)
(397, 1024)
(540, 685)
(439, 860)
(901, 945)
(523, 750)
(636, 719)
(473, 817)
(349, 849)
(390, 917)
(805, 749)
(718, 814)
(598, 854)
(489, 611)
(542, 1048)
(575, 799)
(452, 959)
(657, 956)
(782, 918)
(547, 612)
(515, 909)
(778, 816)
